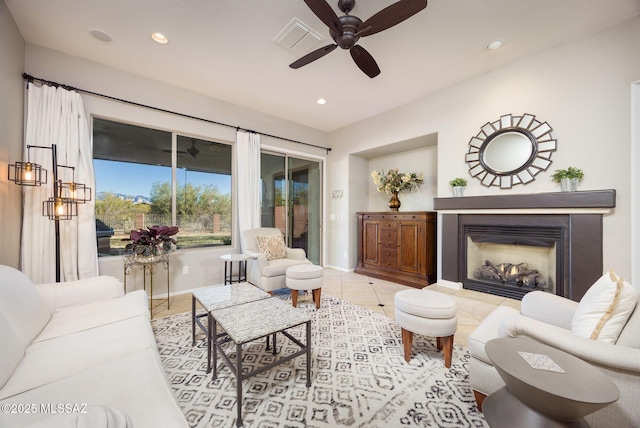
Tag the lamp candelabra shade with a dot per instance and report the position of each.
(57, 208)
(27, 174)
(76, 192)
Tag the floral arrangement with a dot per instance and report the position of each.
(395, 181)
(151, 241)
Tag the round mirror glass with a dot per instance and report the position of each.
(508, 152)
(511, 150)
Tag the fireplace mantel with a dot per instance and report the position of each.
(578, 214)
(592, 201)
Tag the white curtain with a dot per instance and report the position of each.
(56, 116)
(248, 199)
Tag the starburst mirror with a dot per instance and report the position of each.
(510, 151)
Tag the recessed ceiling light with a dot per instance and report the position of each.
(496, 44)
(100, 35)
(321, 101)
(159, 38)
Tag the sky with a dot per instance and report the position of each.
(137, 179)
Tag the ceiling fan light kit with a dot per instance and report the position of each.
(495, 44)
(346, 30)
(159, 38)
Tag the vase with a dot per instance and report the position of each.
(394, 202)
(458, 191)
(569, 184)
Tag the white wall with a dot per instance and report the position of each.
(580, 88)
(11, 106)
(635, 185)
(205, 266)
(421, 161)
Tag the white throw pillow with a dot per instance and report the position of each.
(272, 246)
(604, 309)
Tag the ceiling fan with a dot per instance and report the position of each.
(347, 29)
(193, 151)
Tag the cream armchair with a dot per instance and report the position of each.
(269, 274)
(547, 318)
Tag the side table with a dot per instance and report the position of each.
(545, 387)
(229, 277)
(148, 264)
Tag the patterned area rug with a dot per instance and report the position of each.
(359, 377)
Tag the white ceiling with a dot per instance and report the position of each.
(225, 48)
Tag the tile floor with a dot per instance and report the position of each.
(377, 295)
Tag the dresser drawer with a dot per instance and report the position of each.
(389, 259)
(389, 245)
(388, 225)
(389, 236)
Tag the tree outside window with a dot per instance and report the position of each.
(133, 182)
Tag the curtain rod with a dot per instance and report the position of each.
(30, 78)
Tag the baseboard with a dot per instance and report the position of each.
(449, 284)
(339, 268)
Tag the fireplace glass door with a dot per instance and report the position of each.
(507, 262)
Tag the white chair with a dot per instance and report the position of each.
(266, 272)
(547, 318)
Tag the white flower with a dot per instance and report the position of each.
(396, 181)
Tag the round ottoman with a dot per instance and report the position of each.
(305, 277)
(428, 313)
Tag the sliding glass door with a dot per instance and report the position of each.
(291, 200)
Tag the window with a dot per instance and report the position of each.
(134, 187)
(291, 200)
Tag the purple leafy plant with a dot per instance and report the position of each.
(152, 240)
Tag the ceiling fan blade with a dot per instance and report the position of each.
(312, 56)
(326, 14)
(390, 16)
(364, 61)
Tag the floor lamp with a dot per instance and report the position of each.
(63, 204)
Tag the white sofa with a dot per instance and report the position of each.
(547, 318)
(79, 353)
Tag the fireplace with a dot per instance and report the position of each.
(511, 245)
(511, 260)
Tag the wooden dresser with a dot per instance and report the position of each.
(398, 246)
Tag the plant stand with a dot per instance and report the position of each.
(148, 264)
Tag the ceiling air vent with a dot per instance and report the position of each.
(298, 37)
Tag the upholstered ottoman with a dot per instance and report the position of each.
(428, 313)
(304, 278)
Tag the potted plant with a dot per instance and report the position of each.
(568, 178)
(458, 184)
(152, 241)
